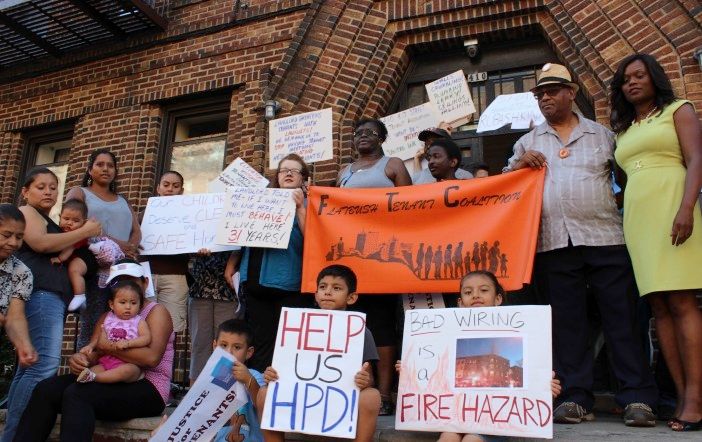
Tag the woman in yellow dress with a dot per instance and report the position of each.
(659, 146)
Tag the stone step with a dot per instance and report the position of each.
(605, 426)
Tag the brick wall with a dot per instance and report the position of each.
(350, 55)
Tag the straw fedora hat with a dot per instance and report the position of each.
(553, 73)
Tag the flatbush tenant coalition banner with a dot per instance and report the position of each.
(423, 238)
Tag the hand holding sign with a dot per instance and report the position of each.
(477, 370)
(255, 217)
(451, 96)
(320, 394)
(208, 405)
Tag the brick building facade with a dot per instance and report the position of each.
(213, 63)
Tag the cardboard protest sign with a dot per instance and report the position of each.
(451, 96)
(208, 405)
(317, 354)
(256, 217)
(403, 128)
(415, 301)
(477, 370)
(178, 224)
(308, 135)
(422, 239)
(237, 174)
(520, 111)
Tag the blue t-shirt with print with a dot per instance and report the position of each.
(244, 425)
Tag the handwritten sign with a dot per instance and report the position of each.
(317, 354)
(308, 135)
(477, 370)
(403, 128)
(256, 217)
(451, 96)
(415, 301)
(208, 405)
(179, 224)
(520, 111)
(237, 174)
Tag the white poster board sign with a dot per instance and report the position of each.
(403, 128)
(308, 135)
(416, 301)
(520, 111)
(477, 370)
(451, 96)
(255, 217)
(238, 174)
(174, 225)
(317, 354)
(208, 405)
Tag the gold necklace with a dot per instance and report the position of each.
(648, 115)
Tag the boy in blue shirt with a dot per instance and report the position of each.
(234, 337)
(336, 290)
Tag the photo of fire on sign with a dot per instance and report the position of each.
(495, 362)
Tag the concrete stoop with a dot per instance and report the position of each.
(605, 427)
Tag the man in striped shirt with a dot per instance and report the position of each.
(581, 251)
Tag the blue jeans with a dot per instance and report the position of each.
(44, 313)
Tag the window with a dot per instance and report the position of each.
(195, 141)
(50, 148)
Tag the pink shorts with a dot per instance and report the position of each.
(109, 362)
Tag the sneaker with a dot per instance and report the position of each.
(386, 408)
(637, 414)
(571, 413)
(86, 376)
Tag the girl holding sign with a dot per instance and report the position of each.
(480, 288)
(271, 278)
(168, 271)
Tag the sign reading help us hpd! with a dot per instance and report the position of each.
(317, 355)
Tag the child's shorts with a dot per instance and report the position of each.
(109, 362)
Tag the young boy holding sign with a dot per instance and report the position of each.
(234, 336)
(336, 290)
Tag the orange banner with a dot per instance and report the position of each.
(422, 239)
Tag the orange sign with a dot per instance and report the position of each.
(424, 238)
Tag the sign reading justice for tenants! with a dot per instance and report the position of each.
(477, 370)
(256, 217)
(317, 354)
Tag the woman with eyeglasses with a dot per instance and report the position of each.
(271, 278)
(373, 169)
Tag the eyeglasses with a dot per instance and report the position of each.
(551, 92)
(366, 132)
(289, 172)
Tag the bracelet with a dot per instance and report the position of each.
(248, 384)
